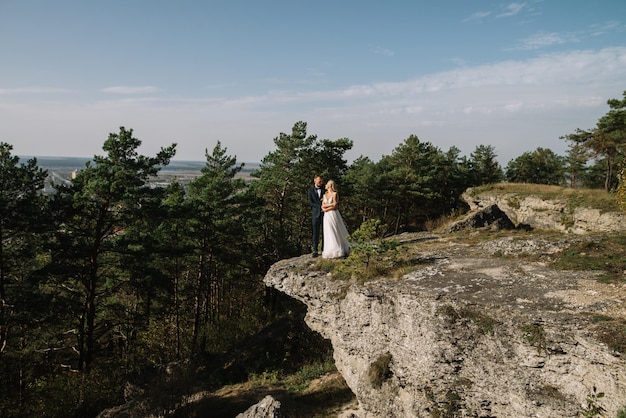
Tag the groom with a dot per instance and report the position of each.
(315, 201)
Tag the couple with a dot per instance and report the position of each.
(324, 205)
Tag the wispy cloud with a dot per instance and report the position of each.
(130, 90)
(545, 39)
(554, 71)
(549, 83)
(512, 9)
(477, 16)
(604, 28)
(541, 40)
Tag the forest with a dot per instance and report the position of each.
(106, 276)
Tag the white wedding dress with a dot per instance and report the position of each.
(335, 236)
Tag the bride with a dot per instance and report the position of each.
(335, 233)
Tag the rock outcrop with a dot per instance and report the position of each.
(528, 211)
(268, 407)
(465, 334)
(489, 217)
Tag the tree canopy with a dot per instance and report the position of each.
(542, 166)
(607, 140)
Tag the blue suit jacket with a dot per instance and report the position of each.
(315, 202)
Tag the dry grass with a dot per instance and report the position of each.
(612, 332)
(593, 198)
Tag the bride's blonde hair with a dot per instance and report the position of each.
(332, 185)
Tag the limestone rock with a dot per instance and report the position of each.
(537, 213)
(268, 407)
(491, 216)
(466, 335)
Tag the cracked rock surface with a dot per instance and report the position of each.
(470, 331)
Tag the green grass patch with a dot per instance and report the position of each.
(535, 334)
(371, 256)
(611, 332)
(300, 380)
(606, 254)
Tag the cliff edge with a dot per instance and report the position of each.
(470, 330)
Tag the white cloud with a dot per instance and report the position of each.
(512, 9)
(546, 39)
(515, 106)
(477, 16)
(604, 28)
(541, 40)
(562, 70)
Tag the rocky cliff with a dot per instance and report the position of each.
(538, 212)
(466, 334)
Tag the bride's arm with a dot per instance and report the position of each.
(330, 206)
(333, 205)
(325, 205)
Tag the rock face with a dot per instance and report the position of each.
(467, 335)
(538, 213)
(268, 407)
(491, 216)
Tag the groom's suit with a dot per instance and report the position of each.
(315, 201)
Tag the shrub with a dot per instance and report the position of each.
(593, 408)
(620, 194)
(368, 245)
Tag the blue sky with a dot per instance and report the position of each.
(514, 75)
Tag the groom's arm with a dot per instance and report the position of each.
(311, 197)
